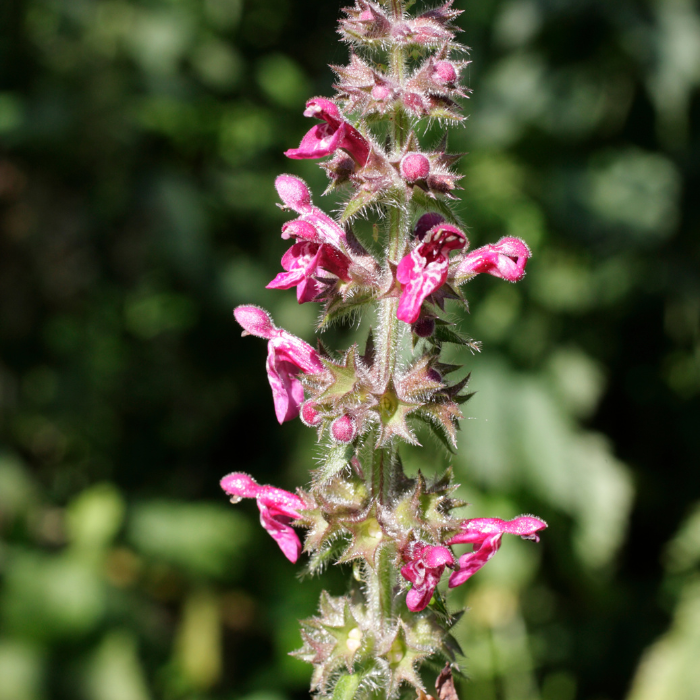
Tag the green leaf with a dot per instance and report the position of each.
(447, 334)
(362, 199)
(339, 309)
(320, 559)
(346, 687)
(438, 205)
(463, 398)
(338, 458)
(439, 433)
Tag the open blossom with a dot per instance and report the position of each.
(277, 509)
(287, 356)
(425, 268)
(485, 534)
(312, 225)
(505, 259)
(335, 133)
(424, 571)
(303, 262)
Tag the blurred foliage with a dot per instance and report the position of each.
(139, 141)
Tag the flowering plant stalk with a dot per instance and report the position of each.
(360, 508)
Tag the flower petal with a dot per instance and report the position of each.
(281, 532)
(255, 321)
(287, 390)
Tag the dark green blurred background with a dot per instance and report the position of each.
(139, 142)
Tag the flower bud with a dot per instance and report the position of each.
(414, 102)
(444, 73)
(293, 191)
(425, 223)
(424, 327)
(255, 321)
(310, 415)
(401, 31)
(415, 166)
(434, 375)
(344, 429)
(381, 92)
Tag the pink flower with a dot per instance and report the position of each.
(287, 355)
(485, 534)
(302, 262)
(324, 139)
(313, 225)
(424, 571)
(277, 509)
(505, 259)
(425, 268)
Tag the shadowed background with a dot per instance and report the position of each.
(139, 142)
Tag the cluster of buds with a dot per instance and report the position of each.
(360, 508)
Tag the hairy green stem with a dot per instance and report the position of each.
(381, 580)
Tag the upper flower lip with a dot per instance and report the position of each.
(313, 224)
(478, 529)
(486, 534)
(505, 259)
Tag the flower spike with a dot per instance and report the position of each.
(287, 356)
(277, 509)
(485, 534)
(404, 68)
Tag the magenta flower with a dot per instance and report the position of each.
(287, 356)
(277, 509)
(425, 268)
(505, 259)
(313, 225)
(485, 534)
(302, 262)
(324, 139)
(424, 571)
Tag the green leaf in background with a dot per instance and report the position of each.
(114, 671)
(94, 518)
(50, 597)
(201, 538)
